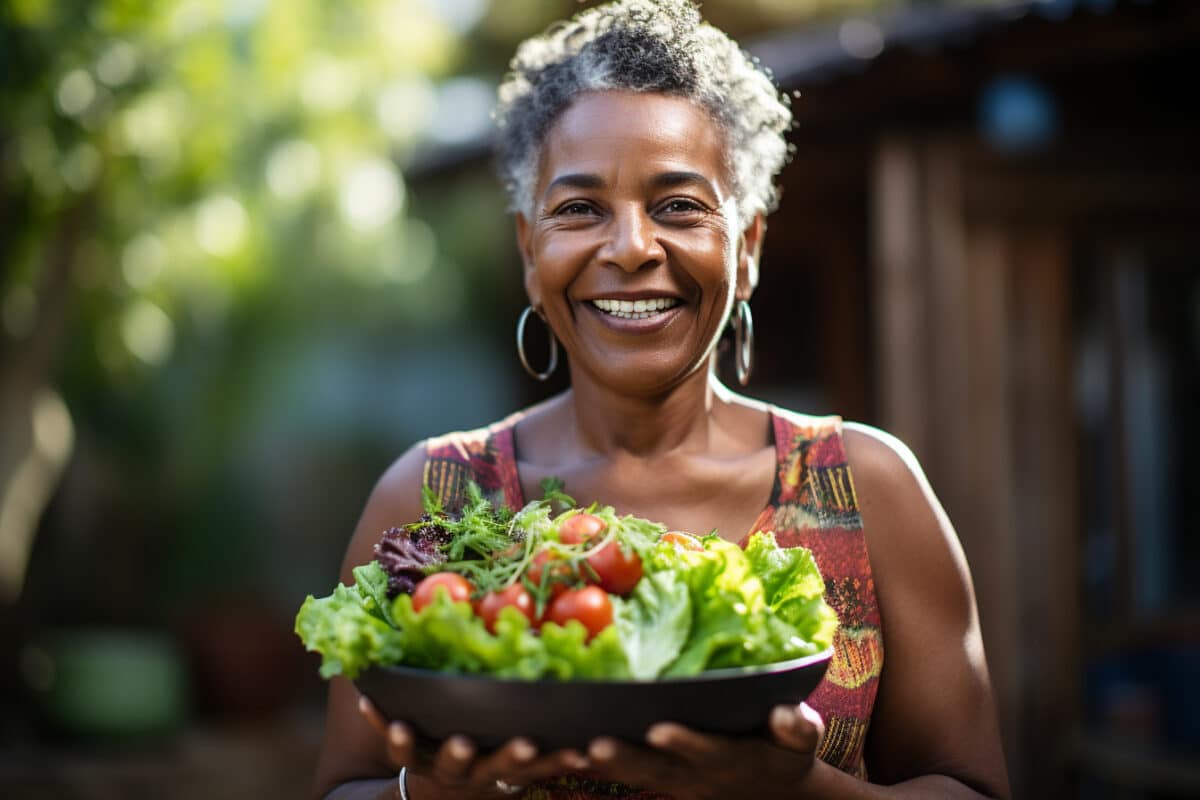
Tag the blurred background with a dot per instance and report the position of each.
(253, 249)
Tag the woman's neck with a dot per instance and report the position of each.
(685, 418)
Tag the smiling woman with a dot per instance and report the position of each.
(633, 250)
(639, 146)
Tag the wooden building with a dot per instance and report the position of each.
(989, 244)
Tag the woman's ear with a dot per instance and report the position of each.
(525, 246)
(749, 249)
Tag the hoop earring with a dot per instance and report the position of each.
(541, 376)
(743, 338)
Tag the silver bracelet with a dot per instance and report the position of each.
(402, 780)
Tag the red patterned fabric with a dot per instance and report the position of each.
(812, 504)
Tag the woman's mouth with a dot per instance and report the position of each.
(635, 309)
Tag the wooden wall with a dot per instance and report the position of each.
(974, 262)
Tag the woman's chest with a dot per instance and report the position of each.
(698, 495)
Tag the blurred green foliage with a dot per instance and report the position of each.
(203, 210)
(222, 153)
(212, 253)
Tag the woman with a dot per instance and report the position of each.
(639, 146)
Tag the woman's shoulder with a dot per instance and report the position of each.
(398, 490)
(871, 451)
(802, 425)
(885, 469)
(877, 452)
(465, 440)
(887, 475)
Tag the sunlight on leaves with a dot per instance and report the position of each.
(293, 169)
(76, 91)
(220, 225)
(403, 108)
(328, 83)
(143, 260)
(370, 194)
(117, 65)
(147, 332)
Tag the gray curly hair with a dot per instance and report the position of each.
(644, 46)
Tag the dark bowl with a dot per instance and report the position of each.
(557, 714)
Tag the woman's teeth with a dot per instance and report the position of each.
(635, 309)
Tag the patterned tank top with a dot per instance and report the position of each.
(812, 505)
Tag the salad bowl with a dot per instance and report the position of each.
(558, 714)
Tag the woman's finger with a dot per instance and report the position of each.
(399, 741)
(518, 763)
(452, 763)
(685, 742)
(401, 745)
(614, 760)
(514, 756)
(798, 728)
(552, 764)
(371, 714)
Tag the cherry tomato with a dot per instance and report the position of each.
(517, 596)
(590, 605)
(617, 572)
(458, 587)
(560, 574)
(579, 528)
(682, 540)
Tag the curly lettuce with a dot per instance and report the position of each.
(692, 611)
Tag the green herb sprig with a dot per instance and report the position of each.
(494, 547)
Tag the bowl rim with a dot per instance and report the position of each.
(721, 674)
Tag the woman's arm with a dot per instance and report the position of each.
(351, 750)
(934, 727)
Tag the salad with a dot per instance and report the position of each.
(574, 593)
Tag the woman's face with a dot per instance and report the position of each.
(634, 253)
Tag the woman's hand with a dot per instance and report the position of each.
(457, 770)
(693, 766)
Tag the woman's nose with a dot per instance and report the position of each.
(632, 243)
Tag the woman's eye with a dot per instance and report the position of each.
(574, 209)
(681, 206)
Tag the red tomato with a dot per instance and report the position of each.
(579, 528)
(617, 572)
(559, 574)
(456, 585)
(517, 596)
(590, 605)
(682, 540)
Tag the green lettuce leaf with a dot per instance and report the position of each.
(448, 636)
(348, 636)
(795, 592)
(726, 603)
(569, 654)
(747, 607)
(654, 622)
(372, 582)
